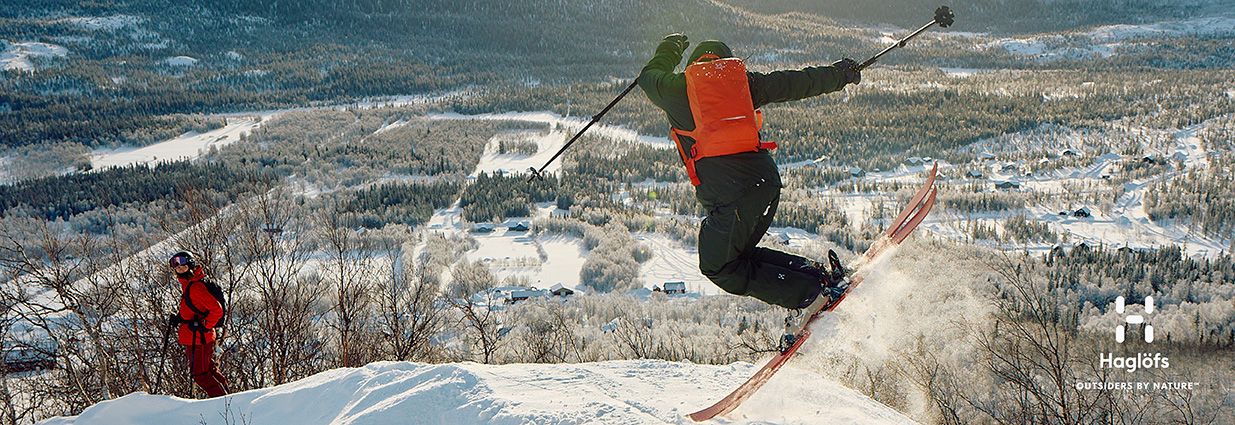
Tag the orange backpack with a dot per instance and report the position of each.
(726, 121)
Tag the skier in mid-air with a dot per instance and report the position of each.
(713, 111)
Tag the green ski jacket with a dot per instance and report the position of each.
(725, 178)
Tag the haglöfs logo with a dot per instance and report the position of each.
(1134, 319)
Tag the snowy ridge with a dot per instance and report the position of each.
(1104, 40)
(614, 392)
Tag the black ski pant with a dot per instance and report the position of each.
(728, 254)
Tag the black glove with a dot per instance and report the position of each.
(849, 69)
(197, 327)
(174, 320)
(679, 41)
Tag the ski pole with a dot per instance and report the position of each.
(537, 173)
(192, 362)
(167, 333)
(943, 17)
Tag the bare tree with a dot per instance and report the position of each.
(278, 243)
(471, 294)
(349, 274)
(548, 333)
(69, 300)
(410, 310)
(1036, 355)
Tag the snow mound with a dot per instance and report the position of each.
(16, 55)
(181, 61)
(614, 392)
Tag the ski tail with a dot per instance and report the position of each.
(903, 217)
(917, 218)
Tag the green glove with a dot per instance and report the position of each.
(849, 68)
(679, 41)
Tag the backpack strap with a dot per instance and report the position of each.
(688, 158)
(188, 301)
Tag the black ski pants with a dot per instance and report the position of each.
(730, 257)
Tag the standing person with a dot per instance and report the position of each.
(713, 112)
(200, 312)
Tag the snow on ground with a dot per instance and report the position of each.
(189, 145)
(1104, 40)
(1218, 26)
(571, 123)
(615, 392)
(1189, 147)
(4, 169)
(16, 56)
(547, 144)
(549, 259)
(1128, 226)
(181, 61)
(546, 260)
(518, 253)
(856, 206)
(672, 261)
(102, 23)
(963, 72)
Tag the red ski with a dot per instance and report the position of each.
(908, 220)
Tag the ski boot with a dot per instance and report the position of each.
(835, 282)
(791, 324)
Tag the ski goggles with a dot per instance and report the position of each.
(180, 261)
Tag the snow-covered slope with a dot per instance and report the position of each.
(615, 392)
(17, 55)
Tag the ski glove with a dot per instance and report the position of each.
(174, 320)
(849, 69)
(679, 41)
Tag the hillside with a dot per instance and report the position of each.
(615, 392)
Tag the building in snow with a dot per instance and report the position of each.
(518, 227)
(520, 295)
(1068, 152)
(985, 156)
(1082, 212)
(561, 291)
(856, 172)
(611, 326)
(482, 228)
(22, 359)
(675, 287)
(1007, 184)
(973, 174)
(782, 237)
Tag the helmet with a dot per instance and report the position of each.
(183, 258)
(712, 47)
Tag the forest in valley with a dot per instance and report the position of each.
(329, 223)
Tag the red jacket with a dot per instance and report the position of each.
(194, 290)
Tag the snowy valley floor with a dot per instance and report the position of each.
(614, 392)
